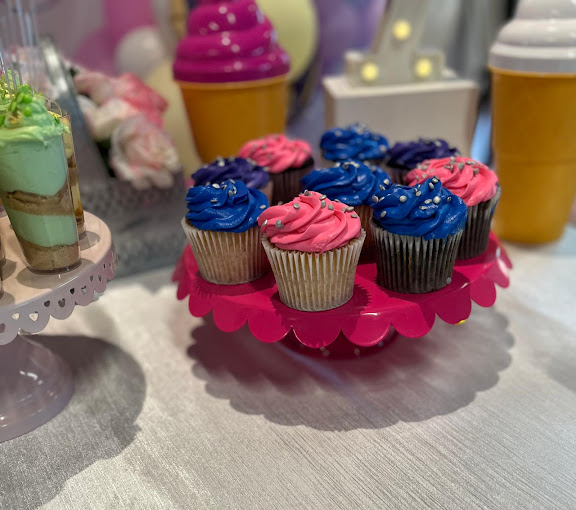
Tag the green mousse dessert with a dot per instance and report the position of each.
(34, 183)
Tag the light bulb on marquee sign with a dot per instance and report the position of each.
(396, 57)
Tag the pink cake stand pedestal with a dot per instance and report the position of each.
(368, 321)
(35, 384)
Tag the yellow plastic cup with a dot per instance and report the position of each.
(534, 142)
(224, 116)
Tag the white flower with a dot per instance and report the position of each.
(103, 120)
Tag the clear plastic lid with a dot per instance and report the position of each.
(541, 38)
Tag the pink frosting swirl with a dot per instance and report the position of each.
(471, 180)
(277, 152)
(310, 223)
(229, 41)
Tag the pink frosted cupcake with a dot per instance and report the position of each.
(286, 160)
(313, 245)
(477, 185)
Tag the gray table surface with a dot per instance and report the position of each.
(169, 413)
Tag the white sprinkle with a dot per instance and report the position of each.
(437, 200)
(403, 198)
(265, 223)
(382, 214)
(387, 182)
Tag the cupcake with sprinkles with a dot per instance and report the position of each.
(417, 231)
(238, 169)
(405, 156)
(354, 184)
(313, 245)
(477, 185)
(287, 161)
(355, 142)
(222, 228)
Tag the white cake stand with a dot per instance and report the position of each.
(35, 384)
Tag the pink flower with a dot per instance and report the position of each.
(97, 86)
(103, 120)
(143, 153)
(132, 89)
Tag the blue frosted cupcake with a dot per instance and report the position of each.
(355, 142)
(405, 156)
(417, 231)
(239, 169)
(352, 183)
(222, 228)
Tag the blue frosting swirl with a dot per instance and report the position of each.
(239, 169)
(226, 207)
(355, 142)
(427, 210)
(351, 182)
(408, 155)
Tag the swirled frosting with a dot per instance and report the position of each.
(471, 180)
(426, 210)
(229, 41)
(350, 182)
(277, 153)
(408, 155)
(240, 169)
(355, 142)
(310, 223)
(226, 207)
(27, 119)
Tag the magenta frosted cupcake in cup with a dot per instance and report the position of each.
(233, 76)
(313, 245)
(477, 185)
(287, 161)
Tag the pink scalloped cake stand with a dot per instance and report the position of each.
(367, 320)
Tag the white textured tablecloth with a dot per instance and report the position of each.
(169, 413)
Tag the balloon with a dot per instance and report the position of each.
(297, 26)
(140, 51)
(175, 119)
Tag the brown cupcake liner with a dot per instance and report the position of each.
(288, 184)
(413, 265)
(396, 174)
(227, 258)
(313, 282)
(365, 214)
(477, 232)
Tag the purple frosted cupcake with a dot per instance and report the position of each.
(405, 156)
(237, 169)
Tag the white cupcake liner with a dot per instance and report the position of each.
(477, 232)
(227, 258)
(413, 265)
(313, 282)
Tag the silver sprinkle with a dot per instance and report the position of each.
(381, 198)
(217, 186)
(224, 187)
(322, 204)
(435, 180)
(382, 214)
(452, 159)
(307, 193)
(265, 223)
(214, 200)
(344, 210)
(208, 183)
(403, 198)
(262, 207)
(448, 199)
(418, 193)
(230, 192)
(331, 207)
(423, 208)
(279, 224)
(374, 199)
(349, 209)
(354, 215)
(461, 166)
(382, 188)
(232, 181)
(470, 163)
(322, 197)
(337, 200)
(387, 182)
(476, 170)
(221, 163)
(424, 176)
(428, 201)
(437, 200)
(296, 206)
(431, 186)
(448, 280)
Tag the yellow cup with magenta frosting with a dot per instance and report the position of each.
(233, 76)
